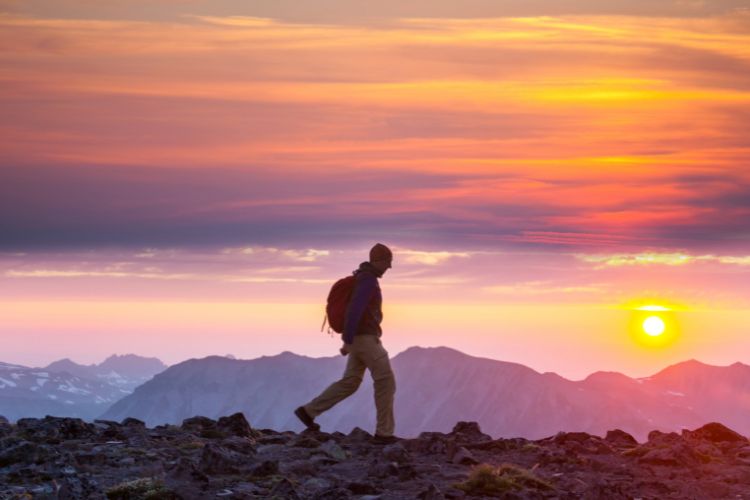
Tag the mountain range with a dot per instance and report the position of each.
(65, 388)
(437, 387)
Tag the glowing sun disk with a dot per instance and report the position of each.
(653, 325)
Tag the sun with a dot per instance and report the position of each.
(653, 325)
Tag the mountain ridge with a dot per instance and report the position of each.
(436, 386)
(66, 388)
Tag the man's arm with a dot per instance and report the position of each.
(363, 290)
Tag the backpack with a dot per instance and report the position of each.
(338, 300)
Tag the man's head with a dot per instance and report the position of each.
(381, 257)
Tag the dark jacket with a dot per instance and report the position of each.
(365, 310)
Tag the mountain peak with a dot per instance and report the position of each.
(65, 365)
(131, 364)
(602, 378)
(440, 351)
(691, 366)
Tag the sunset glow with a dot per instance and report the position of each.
(199, 174)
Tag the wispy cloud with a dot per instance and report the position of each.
(429, 258)
(531, 288)
(543, 131)
(306, 255)
(58, 273)
(655, 258)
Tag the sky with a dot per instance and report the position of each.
(181, 178)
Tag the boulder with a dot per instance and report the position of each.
(469, 432)
(333, 450)
(359, 435)
(716, 433)
(133, 422)
(620, 439)
(199, 425)
(677, 454)
(235, 425)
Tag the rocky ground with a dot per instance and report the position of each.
(71, 459)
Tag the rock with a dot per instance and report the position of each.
(242, 445)
(428, 442)
(396, 453)
(406, 472)
(91, 458)
(710, 462)
(25, 452)
(715, 433)
(454, 494)
(284, 489)
(316, 484)
(470, 432)
(273, 439)
(382, 469)
(359, 435)
(5, 430)
(333, 494)
(675, 455)
(236, 425)
(620, 439)
(55, 428)
(185, 471)
(333, 450)
(361, 488)
(133, 422)
(663, 437)
(431, 493)
(203, 427)
(562, 438)
(743, 455)
(306, 442)
(78, 488)
(464, 457)
(265, 468)
(198, 422)
(110, 430)
(219, 460)
(300, 468)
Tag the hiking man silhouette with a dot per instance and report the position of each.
(362, 344)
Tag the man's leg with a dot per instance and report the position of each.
(341, 389)
(376, 359)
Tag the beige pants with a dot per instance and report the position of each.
(366, 352)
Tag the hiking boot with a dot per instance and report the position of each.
(306, 419)
(378, 439)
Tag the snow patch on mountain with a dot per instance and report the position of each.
(6, 383)
(69, 387)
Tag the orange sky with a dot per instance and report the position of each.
(536, 163)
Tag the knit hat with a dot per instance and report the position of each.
(380, 252)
